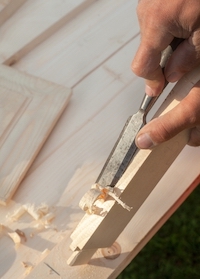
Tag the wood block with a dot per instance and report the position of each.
(134, 187)
(29, 108)
(8, 8)
(134, 237)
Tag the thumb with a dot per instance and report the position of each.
(185, 115)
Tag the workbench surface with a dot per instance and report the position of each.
(91, 54)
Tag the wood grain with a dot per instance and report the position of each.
(8, 8)
(41, 22)
(106, 27)
(29, 109)
(142, 176)
(146, 221)
(91, 53)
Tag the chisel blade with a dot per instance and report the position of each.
(122, 153)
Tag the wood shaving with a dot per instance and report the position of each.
(36, 212)
(17, 213)
(21, 234)
(47, 219)
(15, 237)
(30, 208)
(87, 203)
(45, 253)
(120, 202)
(43, 209)
(28, 267)
(40, 214)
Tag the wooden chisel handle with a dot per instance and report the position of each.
(149, 101)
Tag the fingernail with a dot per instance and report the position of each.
(144, 141)
(173, 77)
(149, 91)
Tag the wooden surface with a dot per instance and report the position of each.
(92, 54)
(134, 187)
(39, 21)
(8, 8)
(29, 109)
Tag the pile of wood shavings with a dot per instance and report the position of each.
(41, 214)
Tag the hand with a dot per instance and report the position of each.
(160, 22)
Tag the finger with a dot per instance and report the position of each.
(155, 37)
(146, 64)
(185, 58)
(185, 115)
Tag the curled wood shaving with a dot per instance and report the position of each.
(87, 203)
(88, 200)
(15, 237)
(21, 234)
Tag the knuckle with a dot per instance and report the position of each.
(138, 70)
(190, 105)
(160, 132)
(163, 132)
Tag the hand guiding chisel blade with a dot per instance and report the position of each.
(125, 147)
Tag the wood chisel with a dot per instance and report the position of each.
(125, 148)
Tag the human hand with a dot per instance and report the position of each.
(160, 22)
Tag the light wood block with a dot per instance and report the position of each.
(29, 109)
(8, 8)
(134, 237)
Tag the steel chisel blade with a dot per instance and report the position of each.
(122, 153)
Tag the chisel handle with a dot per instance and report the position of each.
(149, 101)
